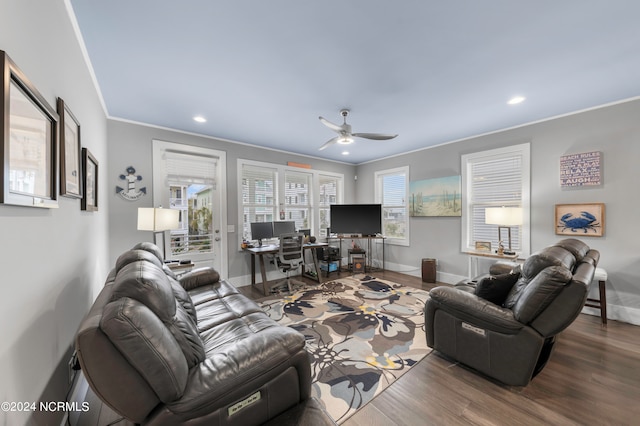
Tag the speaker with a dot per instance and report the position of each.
(358, 265)
(428, 270)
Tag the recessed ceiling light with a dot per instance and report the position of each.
(516, 100)
(199, 119)
(345, 152)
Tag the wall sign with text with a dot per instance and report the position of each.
(583, 169)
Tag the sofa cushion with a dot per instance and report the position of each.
(148, 284)
(131, 256)
(537, 262)
(185, 331)
(199, 277)
(183, 297)
(151, 248)
(578, 248)
(495, 288)
(540, 292)
(550, 256)
(139, 334)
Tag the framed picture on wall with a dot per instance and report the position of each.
(70, 153)
(585, 220)
(29, 141)
(483, 246)
(90, 181)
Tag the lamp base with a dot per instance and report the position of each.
(508, 228)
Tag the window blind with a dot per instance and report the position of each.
(190, 169)
(328, 194)
(494, 182)
(258, 196)
(297, 198)
(391, 193)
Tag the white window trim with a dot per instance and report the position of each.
(378, 199)
(280, 193)
(525, 151)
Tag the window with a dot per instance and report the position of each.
(258, 196)
(297, 188)
(327, 194)
(391, 188)
(495, 178)
(272, 192)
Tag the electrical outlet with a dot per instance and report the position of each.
(73, 363)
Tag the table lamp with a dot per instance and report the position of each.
(505, 218)
(158, 220)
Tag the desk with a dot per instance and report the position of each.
(474, 255)
(259, 252)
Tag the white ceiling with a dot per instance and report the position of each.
(261, 72)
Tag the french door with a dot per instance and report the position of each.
(192, 180)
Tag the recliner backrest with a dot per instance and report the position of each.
(553, 286)
(290, 252)
(536, 263)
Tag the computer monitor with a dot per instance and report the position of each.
(261, 231)
(283, 227)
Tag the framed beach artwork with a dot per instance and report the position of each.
(584, 220)
(436, 197)
(29, 141)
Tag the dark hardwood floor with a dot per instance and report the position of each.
(592, 378)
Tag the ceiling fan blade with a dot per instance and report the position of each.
(329, 143)
(375, 136)
(330, 125)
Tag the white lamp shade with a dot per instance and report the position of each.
(504, 216)
(157, 219)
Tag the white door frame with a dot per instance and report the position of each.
(160, 197)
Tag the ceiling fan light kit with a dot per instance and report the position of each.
(345, 135)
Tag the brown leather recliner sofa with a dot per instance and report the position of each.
(165, 351)
(510, 337)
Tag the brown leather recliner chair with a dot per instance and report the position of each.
(193, 350)
(511, 340)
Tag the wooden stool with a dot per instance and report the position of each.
(601, 277)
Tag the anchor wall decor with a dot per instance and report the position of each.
(131, 193)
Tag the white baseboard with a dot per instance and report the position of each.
(443, 277)
(617, 313)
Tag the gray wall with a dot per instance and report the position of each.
(613, 130)
(53, 260)
(131, 145)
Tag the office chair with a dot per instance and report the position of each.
(290, 257)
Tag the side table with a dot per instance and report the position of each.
(601, 277)
(474, 255)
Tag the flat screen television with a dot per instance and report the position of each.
(261, 231)
(283, 227)
(364, 219)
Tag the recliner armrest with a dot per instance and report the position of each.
(199, 277)
(472, 309)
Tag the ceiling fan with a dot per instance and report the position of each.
(345, 136)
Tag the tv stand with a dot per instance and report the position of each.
(369, 252)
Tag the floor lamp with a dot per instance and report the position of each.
(158, 220)
(505, 218)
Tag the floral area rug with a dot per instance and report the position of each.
(362, 333)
